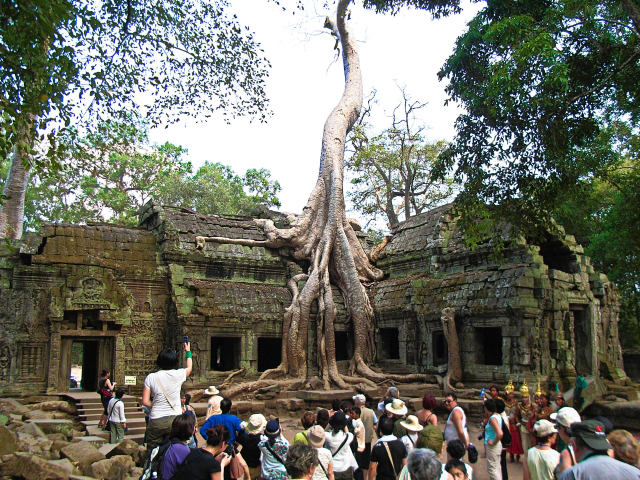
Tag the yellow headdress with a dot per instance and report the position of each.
(538, 391)
(509, 388)
(524, 389)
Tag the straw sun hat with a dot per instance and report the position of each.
(412, 424)
(212, 390)
(256, 423)
(397, 407)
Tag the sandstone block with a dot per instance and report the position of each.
(291, 404)
(115, 468)
(64, 465)
(82, 453)
(31, 467)
(35, 445)
(127, 447)
(53, 405)
(11, 406)
(8, 442)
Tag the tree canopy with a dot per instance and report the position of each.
(108, 174)
(391, 170)
(550, 129)
(78, 62)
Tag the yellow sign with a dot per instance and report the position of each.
(129, 379)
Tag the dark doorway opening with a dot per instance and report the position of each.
(581, 342)
(440, 349)
(269, 353)
(225, 353)
(342, 345)
(489, 345)
(390, 343)
(84, 365)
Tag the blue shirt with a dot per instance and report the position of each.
(232, 423)
(490, 432)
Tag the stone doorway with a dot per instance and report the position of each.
(390, 343)
(269, 353)
(582, 337)
(225, 353)
(86, 357)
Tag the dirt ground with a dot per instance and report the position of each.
(290, 426)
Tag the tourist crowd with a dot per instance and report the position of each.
(352, 441)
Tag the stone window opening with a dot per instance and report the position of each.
(558, 256)
(343, 345)
(390, 343)
(225, 353)
(489, 345)
(440, 349)
(269, 353)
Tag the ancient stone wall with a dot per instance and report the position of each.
(99, 286)
(122, 294)
(534, 311)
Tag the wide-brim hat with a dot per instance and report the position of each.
(592, 433)
(544, 428)
(412, 424)
(256, 423)
(212, 390)
(272, 429)
(316, 436)
(397, 407)
(566, 416)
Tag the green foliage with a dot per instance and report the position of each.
(77, 61)
(392, 170)
(107, 175)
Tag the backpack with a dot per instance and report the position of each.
(430, 437)
(506, 435)
(154, 462)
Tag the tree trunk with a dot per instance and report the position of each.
(323, 236)
(454, 372)
(15, 187)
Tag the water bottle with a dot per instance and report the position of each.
(482, 394)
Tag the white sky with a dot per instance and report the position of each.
(306, 82)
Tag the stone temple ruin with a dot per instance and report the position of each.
(121, 294)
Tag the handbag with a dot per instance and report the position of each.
(236, 467)
(473, 453)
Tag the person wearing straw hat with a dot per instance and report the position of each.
(412, 426)
(397, 410)
(274, 452)
(248, 440)
(591, 445)
(325, 459)
(542, 458)
(213, 404)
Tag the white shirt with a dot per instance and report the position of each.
(450, 432)
(324, 457)
(115, 408)
(409, 440)
(172, 381)
(344, 458)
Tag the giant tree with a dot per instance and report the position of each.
(78, 61)
(391, 171)
(323, 238)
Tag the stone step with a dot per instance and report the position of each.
(134, 422)
(136, 434)
(130, 415)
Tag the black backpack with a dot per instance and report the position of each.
(154, 462)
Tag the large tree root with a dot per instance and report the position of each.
(322, 236)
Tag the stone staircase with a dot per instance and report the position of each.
(89, 408)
